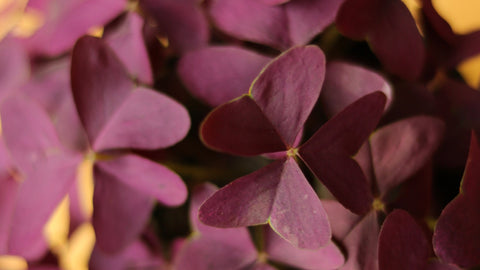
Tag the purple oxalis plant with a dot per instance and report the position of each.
(268, 119)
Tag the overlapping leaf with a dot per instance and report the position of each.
(126, 38)
(183, 22)
(279, 26)
(391, 31)
(114, 113)
(219, 74)
(345, 83)
(66, 21)
(459, 224)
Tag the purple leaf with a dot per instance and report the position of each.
(361, 244)
(214, 248)
(240, 127)
(119, 212)
(458, 228)
(252, 20)
(38, 195)
(345, 83)
(278, 250)
(307, 18)
(280, 26)
(342, 220)
(100, 84)
(126, 39)
(145, 120)
(219, 74)
(137, 255)
(278, 194)
(402, 243)
(8, 193)
(391, 31)
(66, 21)
(148, 177)
(113, 112)
(329, 151)
(288, 88)
(206, 253)
(50, 86)
(15, 68)
(400, 149)
(448, 48)
(182, 21)
(437, 265)
(29, 134)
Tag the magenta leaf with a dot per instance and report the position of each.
(278, 250)
(148, 177)
(113, 113)
(14, 69)
(280, 26)
(402, 243)
(458, 228)
(126, 40)
(100, 84)
(240, 127)
(342, 220)
(288, 88)
(278, 194)
(28, 132)
(400, 149)
(120, 213)
(38, 195)
(328, 153)
(183, 22)
(66, 21)
(145, 120)
(214, 248)
(345, 83)
(391, 31)
(137, 255)
(361, 244)
(218, 74)
(8, 193)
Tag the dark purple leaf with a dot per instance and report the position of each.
(288, 88)
(402, 243)
(458, 228)
(183, 22)
(329, 152)
(278, 194)
(240, 127)
(391, 31)
(218, 74)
